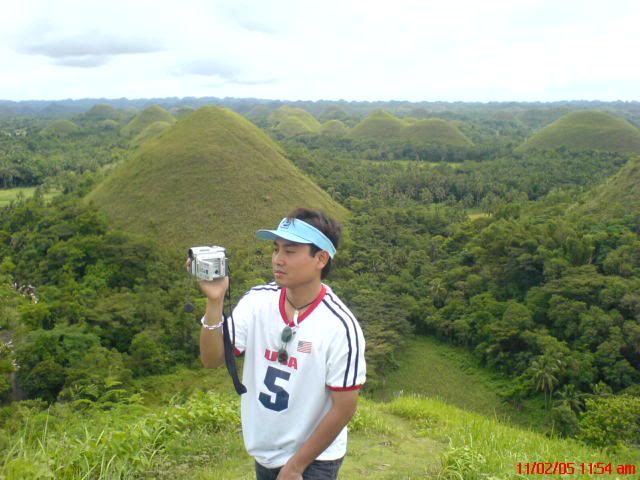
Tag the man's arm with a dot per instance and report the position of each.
(211, 344)
(343, 409)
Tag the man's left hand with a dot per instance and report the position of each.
(288, 472)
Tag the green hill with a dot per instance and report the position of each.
(579, 131)
(379, 126)
(258, 113)
(182, 111)
(102, 112)
(151, 131)
(434, 130)
(145, 118)
(60, 128)
(213, 177)
(291, 122)
(383, 127)
(333, 112)
(618, 196)
(334, 128)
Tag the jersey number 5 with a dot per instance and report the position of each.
(281, 401)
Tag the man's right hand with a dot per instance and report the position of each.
(213, 289)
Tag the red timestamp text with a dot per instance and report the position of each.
(571, 468)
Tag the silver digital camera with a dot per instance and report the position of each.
(209, 263)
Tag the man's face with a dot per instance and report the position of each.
(293, 265)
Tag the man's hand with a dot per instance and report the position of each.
(289, 472)
(213, 289)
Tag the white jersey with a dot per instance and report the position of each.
(285, 402)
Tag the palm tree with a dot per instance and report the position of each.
(543, 372)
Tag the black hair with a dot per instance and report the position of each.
(327, 225)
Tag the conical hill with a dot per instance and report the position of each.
(618, 196)
(586, 130)
(212, 178)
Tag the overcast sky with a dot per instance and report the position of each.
(452, 50)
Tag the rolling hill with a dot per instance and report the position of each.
(383, 127)
(586, 130)
(145, 118)
(212, 178)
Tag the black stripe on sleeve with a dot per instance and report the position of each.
(346, 372)
(355, 331)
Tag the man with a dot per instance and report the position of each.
(304, 354)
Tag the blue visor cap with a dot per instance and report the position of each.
(299, 231)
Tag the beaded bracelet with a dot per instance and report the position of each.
(204, 323)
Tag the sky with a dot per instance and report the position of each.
(452, 50)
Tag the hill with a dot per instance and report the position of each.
(291, 122)
(434, 130)
(145, 118)
(586, 130)
(213, 177)
(383, 127)
(617, 197)
(150, 131)
(60, 128)
(334, 128)
(102, 112)
(379, 126)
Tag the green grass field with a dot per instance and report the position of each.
(433, 369)
(7, 195)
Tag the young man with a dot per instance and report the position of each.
(304, 354)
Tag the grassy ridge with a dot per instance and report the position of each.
(213, 177)
(581, 131)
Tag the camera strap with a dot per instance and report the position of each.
(229, 354)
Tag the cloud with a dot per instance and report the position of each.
(88, 49)
(226, 72)
(209, 68)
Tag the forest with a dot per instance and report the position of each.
(528, 259)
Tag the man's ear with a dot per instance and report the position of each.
(323, 257)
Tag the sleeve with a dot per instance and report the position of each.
(346, 366)
(240, 320)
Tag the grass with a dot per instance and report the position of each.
(587, 131)
(10, 194)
